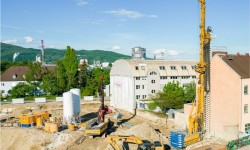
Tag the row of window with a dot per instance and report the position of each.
(139, 78)
(171, 77)
(245, 89)
(246, 108)
(164, 68)
(139, 96)
(247, 128)
(138, 86)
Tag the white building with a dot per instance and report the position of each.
(11, 77)
(16, 74)
(132, 80)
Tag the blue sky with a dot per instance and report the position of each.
(119, 25)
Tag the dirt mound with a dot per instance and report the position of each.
(29, 139)
(144, 131)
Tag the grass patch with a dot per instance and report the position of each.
(162, 115)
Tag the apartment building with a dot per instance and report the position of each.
(133, 80)
(230, 96)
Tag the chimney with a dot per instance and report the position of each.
(219, 52)
(238, 53)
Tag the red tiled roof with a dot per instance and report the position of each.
(239, 63)
(19, 71)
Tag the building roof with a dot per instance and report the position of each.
(16, 73)
(139, 68)
(239, 63)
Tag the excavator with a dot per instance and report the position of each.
(133, 139)
(196, 119)
(98, 126)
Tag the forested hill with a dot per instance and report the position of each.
(51, 55)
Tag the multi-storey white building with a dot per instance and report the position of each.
(132, 80)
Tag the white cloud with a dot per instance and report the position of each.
(116, 47)
(82, 2)
(172, 53)
(159, 51)
(10, 41)
(28, 39)
(130, 14)
(152, 16)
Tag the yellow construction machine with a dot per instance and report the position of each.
(98, 126)
(133, 139)
(196, 118)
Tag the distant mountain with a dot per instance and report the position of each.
(51, 55)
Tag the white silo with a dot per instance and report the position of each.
(76, 101)
(68, 106)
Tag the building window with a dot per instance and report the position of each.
(193, 77)
(185, 77)
(142, 67)
(144, 96)
(173, 77)
(162, 67)
(246, 90)
(143, 78)
(163, 77)
(184, 67)
(153, 91)
(137, 86)
(142, 86)
(2, 84)
(193, 67)
(152, 81)
(136, 68)
(14, 76)
(137, 78)
(247, 128)
(3, 91)
(173, 67)
(185, 85)
(245, 108)
(137, 96)
(152, 73)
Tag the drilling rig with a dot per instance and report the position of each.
(196, 120)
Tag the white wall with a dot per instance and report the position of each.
(122, 93)
(8, 85)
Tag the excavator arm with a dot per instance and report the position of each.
(130, 139)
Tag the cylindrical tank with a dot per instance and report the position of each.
(68, 105)
(76, 101)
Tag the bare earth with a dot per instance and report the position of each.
(16, 138)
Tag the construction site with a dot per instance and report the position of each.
(74, 124)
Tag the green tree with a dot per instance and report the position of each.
(190, 92)
(172, 96)
(49, 84)
(34, 75)
(91, 87)
(82, 75)
(61, 80)
(70, 65)
(21, 90)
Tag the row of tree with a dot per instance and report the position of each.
(173, 96)
(66, 75)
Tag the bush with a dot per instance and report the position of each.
(152, 106)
